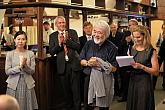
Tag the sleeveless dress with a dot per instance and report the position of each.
(140, 92)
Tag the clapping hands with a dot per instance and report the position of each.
(62, 37)
(22, 61)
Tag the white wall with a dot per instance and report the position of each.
(77, 24)
(155, 30)
(110, 4)
(89, 3)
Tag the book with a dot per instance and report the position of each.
(125, 60)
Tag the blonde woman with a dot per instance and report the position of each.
(140, 92)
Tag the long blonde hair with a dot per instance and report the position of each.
(146, 36)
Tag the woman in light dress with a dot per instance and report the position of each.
(20, 65)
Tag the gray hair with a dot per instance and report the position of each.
(103, 25)
(59, 17)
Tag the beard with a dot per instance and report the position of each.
(98, 41)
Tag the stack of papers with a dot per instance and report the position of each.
(125, 60)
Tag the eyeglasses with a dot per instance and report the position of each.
(97, 32)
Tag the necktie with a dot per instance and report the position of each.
(65, 49)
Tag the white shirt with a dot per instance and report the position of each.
(46, 36)
(89, 37)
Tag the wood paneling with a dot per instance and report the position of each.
(3, 76)
(76, 1)
(161, 7)
(100, 3)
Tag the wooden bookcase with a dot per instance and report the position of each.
(145, 7)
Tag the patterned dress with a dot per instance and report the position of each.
(20, 82)
(140, 92)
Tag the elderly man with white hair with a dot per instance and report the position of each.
(99, 60)
(8, 102)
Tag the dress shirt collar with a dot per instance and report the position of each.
(88, 37)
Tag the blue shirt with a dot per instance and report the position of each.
(107, 52)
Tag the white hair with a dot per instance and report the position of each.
(58, 17)
(103, 25)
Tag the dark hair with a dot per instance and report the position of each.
(20, 33)
(1, 26)
(86, 23)
(11, 29)
(127, 33)
(163, 25)
(46, 23)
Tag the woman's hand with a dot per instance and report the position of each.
(137, 65)
(22, 61)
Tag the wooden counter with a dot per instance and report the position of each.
(3, 76)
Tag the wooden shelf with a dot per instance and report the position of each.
(146, 2)
(145, 7)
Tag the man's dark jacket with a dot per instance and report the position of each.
(73, 46)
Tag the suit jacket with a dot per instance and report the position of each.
(162, 50)
(14, 71)
(117, 40)
(83, 40)
(73, 46)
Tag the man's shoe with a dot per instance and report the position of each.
(163, 102)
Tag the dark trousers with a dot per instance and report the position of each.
(70, 82)
(82, 81)
(86, 85)
(116, 83)
(125, 77)
(155, 77)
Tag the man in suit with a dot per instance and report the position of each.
(87, 28)
(65, 44)
(116, 38)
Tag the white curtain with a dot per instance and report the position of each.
(32, 35)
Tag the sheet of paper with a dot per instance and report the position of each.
(124, 60)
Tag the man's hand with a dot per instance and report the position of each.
(60, 38)
(93, 62)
